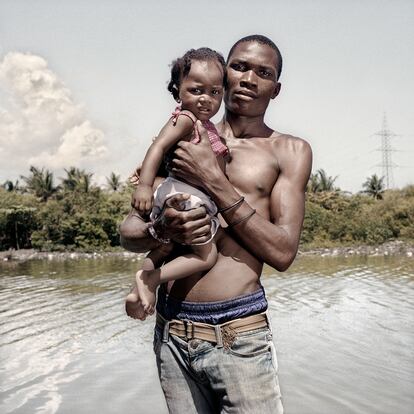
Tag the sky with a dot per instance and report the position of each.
(83, 83)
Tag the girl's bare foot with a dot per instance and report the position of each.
(146, 290)
(133, 305)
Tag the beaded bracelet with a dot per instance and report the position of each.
(245, 218)
(237, 203)
(155, 236)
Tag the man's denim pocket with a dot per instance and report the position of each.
(251, 344)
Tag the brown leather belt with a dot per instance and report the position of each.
(223, 334)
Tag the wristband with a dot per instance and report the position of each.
(155, 236)
(237, 203)
(245, 218)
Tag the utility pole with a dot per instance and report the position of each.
(386, 150)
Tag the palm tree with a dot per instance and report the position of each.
(40, 183)
(71, 181)
(77, 180)
(11, 186)
(114, 182)
(320, 181)
(313, 184)
(86, 181)
(374, 186)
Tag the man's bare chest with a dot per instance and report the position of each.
(252, 168)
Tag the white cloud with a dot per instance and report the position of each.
(40, 124)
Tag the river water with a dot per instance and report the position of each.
(343, 331)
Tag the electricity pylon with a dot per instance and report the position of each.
(386, 150)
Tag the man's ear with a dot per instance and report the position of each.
(276, 91)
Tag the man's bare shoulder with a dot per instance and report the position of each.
(289, 141)
(287, 145)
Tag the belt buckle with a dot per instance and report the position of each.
(189, 329)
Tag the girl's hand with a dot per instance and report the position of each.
(195, 163)
(142, 199)
(134, 177)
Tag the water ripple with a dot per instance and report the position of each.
(343, 329)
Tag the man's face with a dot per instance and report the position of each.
(252, 79)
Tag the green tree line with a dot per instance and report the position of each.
(73, 215)
(78, 215)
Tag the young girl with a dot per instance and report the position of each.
(197, 82)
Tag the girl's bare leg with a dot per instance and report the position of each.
(133, 304)
(203, 258)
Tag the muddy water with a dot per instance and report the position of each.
(343, 331)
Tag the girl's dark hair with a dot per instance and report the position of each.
(180, 67)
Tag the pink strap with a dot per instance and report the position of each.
(218, 147)
(178, 112)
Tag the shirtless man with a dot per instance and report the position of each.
(205, 366)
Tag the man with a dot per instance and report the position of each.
(218, 355)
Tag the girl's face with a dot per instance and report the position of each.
(201, 91)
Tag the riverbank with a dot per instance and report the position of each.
(32, 254)
(392, 248)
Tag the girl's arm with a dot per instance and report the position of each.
(169, 135)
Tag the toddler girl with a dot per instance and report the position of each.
(197, 82)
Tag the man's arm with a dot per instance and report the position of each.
(185, 227)
(274, 242)
(134, 234)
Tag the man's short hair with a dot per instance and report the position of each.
(264, 41)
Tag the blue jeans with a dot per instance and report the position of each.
(198, 377)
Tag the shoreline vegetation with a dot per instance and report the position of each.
(391, 248)
(77, 218)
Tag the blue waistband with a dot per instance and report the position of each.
(211, 312)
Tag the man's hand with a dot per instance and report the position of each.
(184, 227)
(195, 163)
